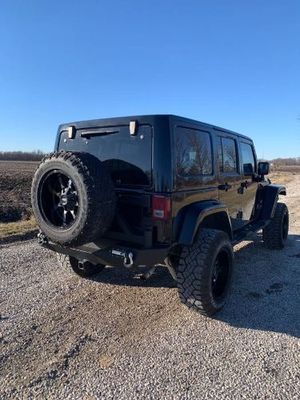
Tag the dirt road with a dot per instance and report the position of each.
(118, 337)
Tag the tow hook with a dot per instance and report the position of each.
(128, 260)
(128, 257)
(42, 239)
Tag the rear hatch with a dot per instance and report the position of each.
(128, 157)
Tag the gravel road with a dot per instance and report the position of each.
(63, 337)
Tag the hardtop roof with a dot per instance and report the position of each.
(147, 118)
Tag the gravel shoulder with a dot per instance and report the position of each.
(63, 337)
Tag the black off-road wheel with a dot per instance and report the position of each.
(73, 198)
(275, 234)
(84, 269)
(204, 272)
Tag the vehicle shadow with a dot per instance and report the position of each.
(132, 277)
(265, 291)
(266, 288)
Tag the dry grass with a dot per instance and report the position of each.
(281, 177)
(19, 228)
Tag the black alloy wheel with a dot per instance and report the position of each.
(220, 275)
(58, 199)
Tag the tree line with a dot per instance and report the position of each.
(35, 155)
(286, 161)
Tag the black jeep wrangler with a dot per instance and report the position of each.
(156, 190)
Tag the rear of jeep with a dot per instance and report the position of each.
(104, 195)
(143, 191)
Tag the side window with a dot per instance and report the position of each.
(220, 155)
(227, 158)
(248, 158)
(193, 152)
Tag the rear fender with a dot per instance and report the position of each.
(270, 198)
(202, 214)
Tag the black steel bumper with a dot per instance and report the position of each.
(109, 254)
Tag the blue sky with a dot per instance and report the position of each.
(231, 63)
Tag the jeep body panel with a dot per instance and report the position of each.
(208, 214)
(269, 195)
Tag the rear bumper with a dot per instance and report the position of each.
(108, 254)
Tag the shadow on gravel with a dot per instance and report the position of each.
(266, 289)
(265, 293)
(19, 237)
(124, 277)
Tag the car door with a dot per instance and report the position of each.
(249, 183)
(230, 178)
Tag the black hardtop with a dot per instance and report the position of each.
(150, 119)
(114, 121)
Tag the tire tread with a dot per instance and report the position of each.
(272, 235)
(101, 199)
(194, 270)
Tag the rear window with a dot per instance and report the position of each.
(193, 152)
(128, 158)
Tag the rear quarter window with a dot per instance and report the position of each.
(193, 152)
(248, 157)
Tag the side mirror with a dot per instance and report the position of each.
(263, 168)
(248, 169)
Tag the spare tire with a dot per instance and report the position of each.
(73, 198)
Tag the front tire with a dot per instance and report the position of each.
(276, 232)
(84, 270)
(205, 272)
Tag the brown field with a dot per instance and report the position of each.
(15, 183)
(15, 207)
(287, 168)
(283, 174)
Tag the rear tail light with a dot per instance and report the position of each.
(161, 208)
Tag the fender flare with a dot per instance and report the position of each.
(208, 214)
(270, 198)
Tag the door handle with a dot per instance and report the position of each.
(241, 189)
(225, 187)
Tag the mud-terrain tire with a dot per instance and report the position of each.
(276, 232)
(73, 198)
(84, 270)
(204, 272)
